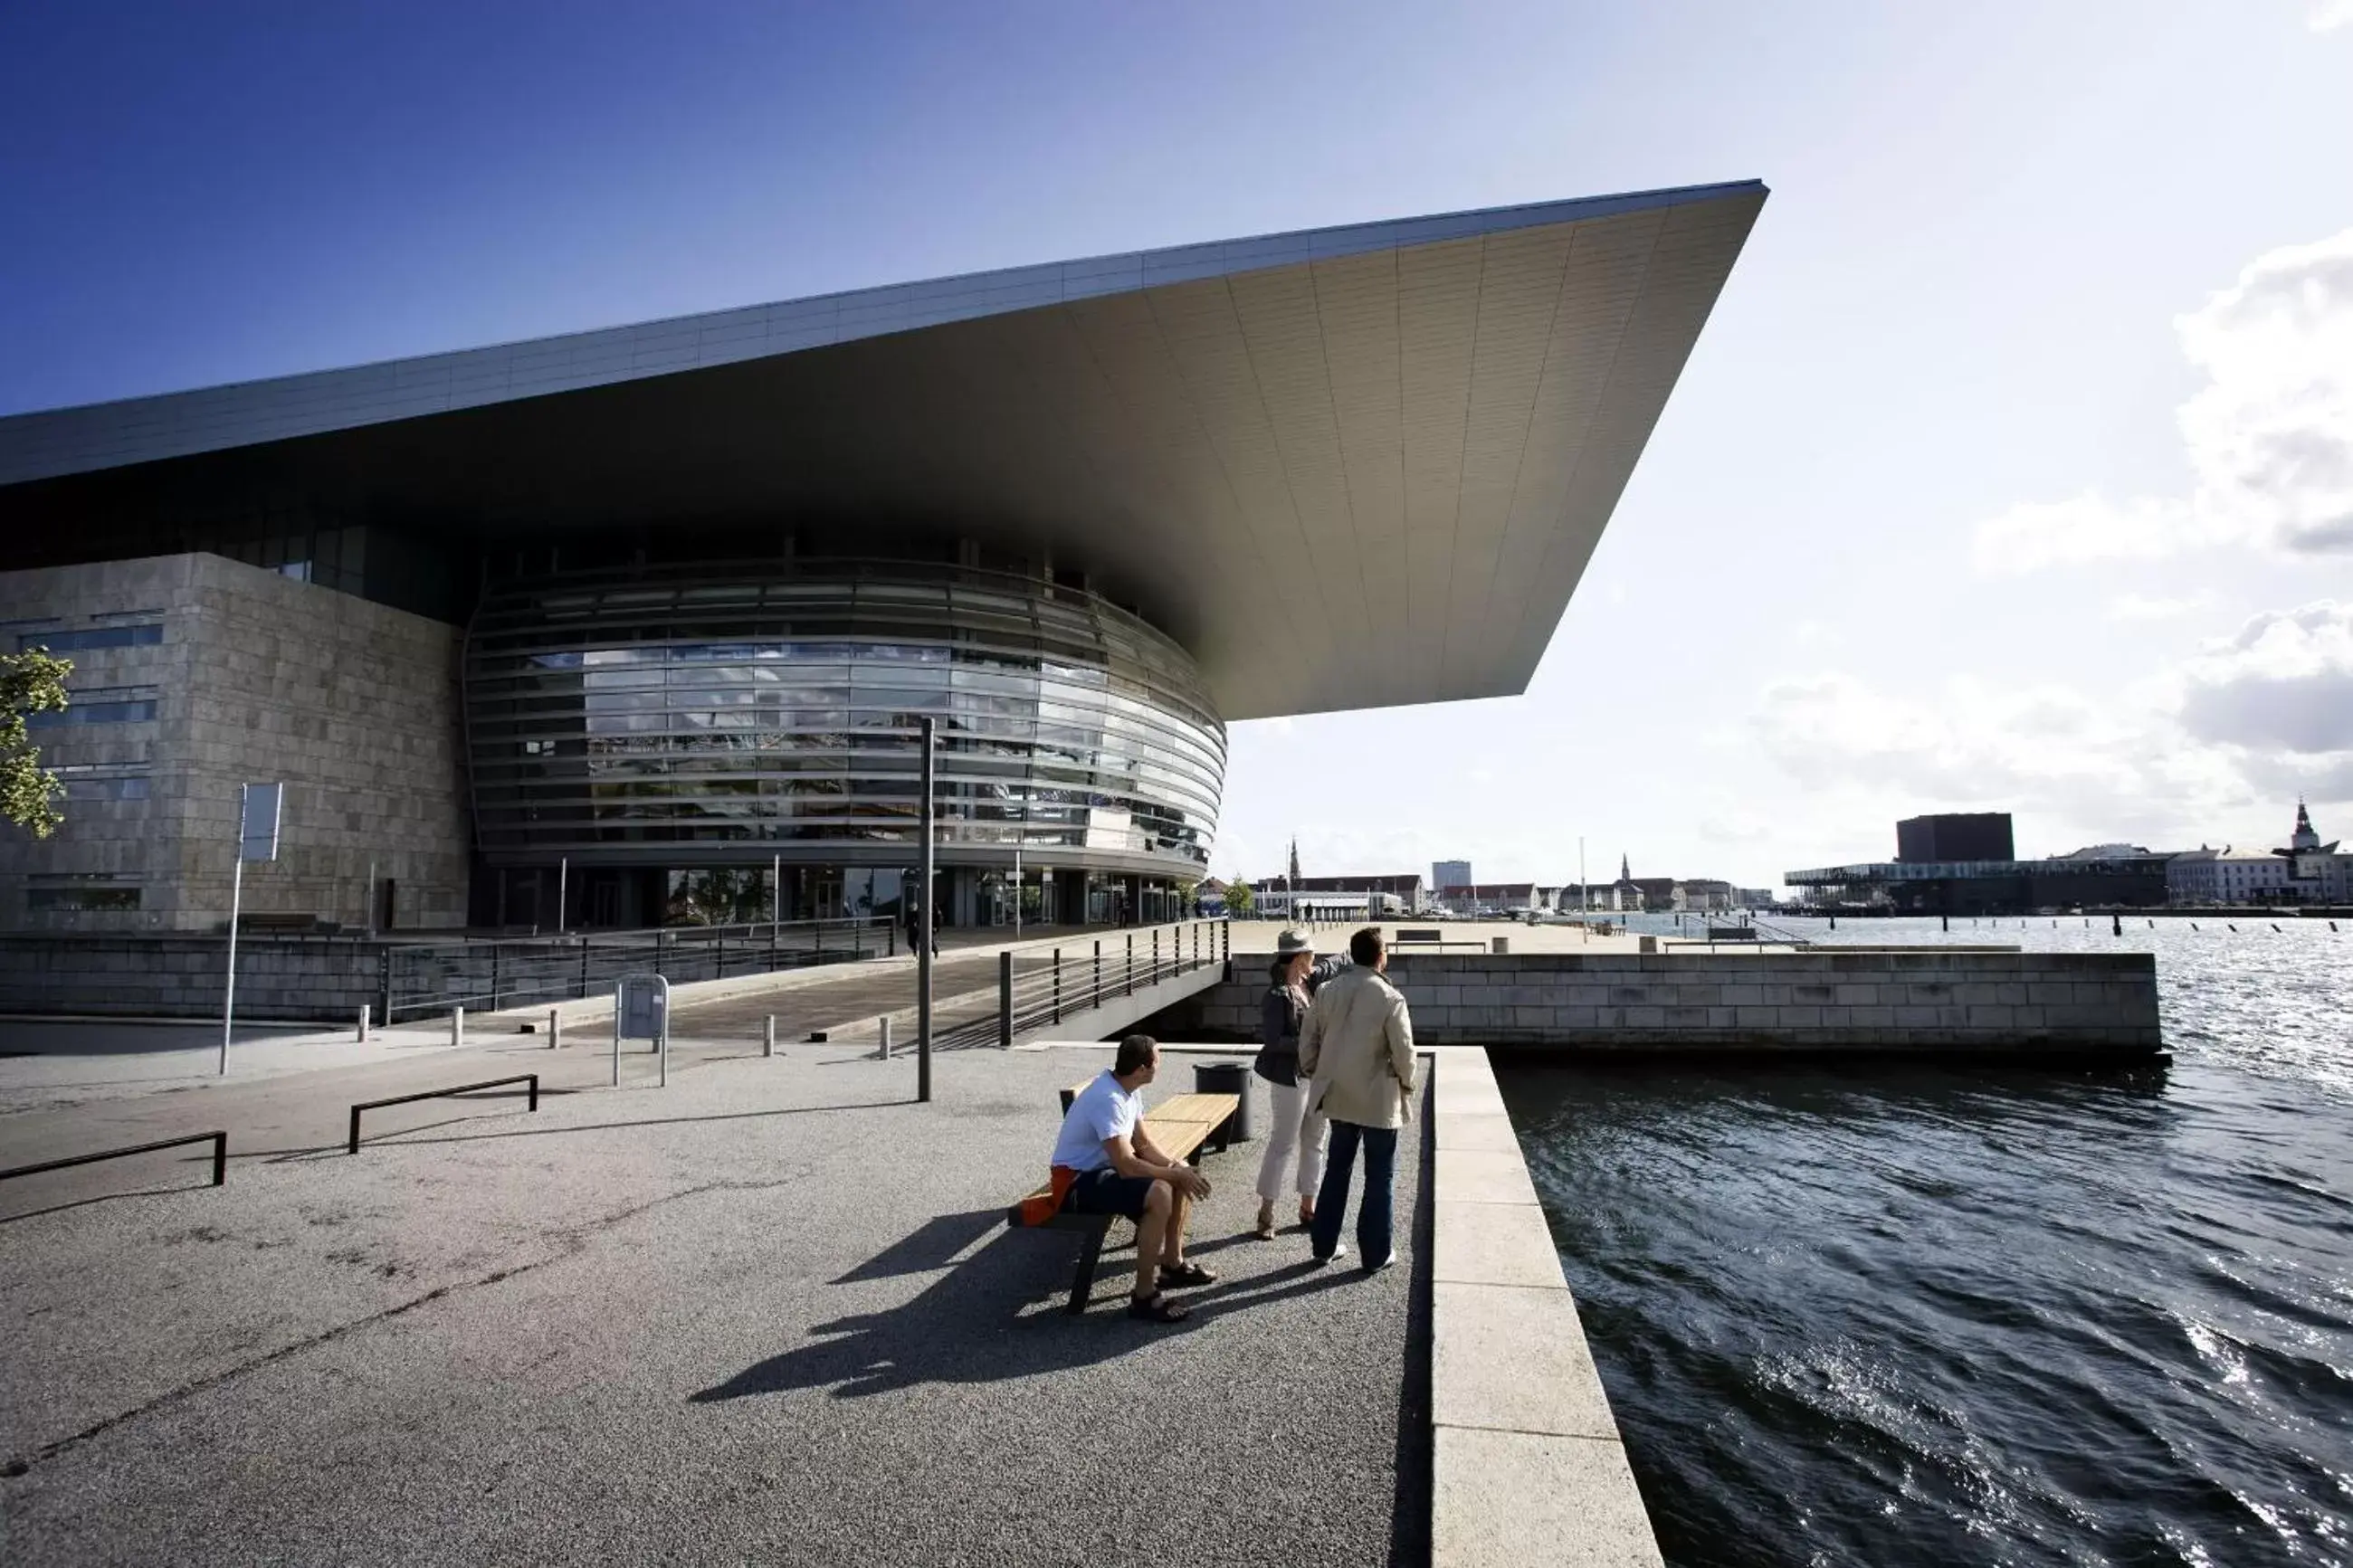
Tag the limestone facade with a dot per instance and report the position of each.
(255, 676)
(1822, 999)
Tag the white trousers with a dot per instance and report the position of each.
(1292, 1128)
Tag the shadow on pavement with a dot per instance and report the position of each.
(204, 1186)
(979, 1322)
(933, 1246)
(408, 1135)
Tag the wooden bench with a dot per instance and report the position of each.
(1180, 1126)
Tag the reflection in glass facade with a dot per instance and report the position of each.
(708, 715)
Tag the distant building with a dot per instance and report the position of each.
(1486, 898)
(1753, 898)
(1284, 904)
(1700, 894)
(2103, 876)
(1451, 874)
(2317, 873)
(2226, 875)
(1956, 835)
(2305, 872)
(1402, 891)
(1630, 894)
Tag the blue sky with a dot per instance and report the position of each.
(2008, 474)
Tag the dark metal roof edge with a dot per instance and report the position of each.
(1174, 263)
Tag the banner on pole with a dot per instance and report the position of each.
(257, 828)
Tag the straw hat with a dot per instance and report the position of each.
(1291, 943)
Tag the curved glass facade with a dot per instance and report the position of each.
(722, 715)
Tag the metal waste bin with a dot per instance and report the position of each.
(1227, 1078)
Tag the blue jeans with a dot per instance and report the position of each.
(1374, 1220)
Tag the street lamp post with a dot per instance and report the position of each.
(923, 813)
(259, 807)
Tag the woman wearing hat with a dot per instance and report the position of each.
(1295, 975)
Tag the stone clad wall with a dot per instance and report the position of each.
(258, 678)
(301, 980)
(1821, 999)
(355, 706)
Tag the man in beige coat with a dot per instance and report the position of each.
(1356, 1046)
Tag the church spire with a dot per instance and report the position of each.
(1294, 862)
(1625, 869)
(2303, 837)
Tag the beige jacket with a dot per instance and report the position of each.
(1357, 1047)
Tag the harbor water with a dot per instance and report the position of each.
(1877, 1314)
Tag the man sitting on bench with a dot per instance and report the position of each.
(1105, 1163)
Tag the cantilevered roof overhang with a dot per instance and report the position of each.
(1346, 468)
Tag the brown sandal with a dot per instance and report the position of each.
(1157, 1307)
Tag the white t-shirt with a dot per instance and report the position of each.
(1101, 1112)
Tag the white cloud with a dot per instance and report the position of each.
(2211, 746)
(1969, 744)
(2284, 684)
(2138, 607)
(2324, 15)
(2090, 527)
(2269, 438)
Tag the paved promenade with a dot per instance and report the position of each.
(768, 1312)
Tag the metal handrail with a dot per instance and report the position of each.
(219, 1140)
(486, 975)
(530, 1078)
(1080, 983)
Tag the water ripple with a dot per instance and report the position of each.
(1880, 1315)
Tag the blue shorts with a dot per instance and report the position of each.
(1108, 1191)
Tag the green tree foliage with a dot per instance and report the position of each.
(1239, 900)
(33, 682)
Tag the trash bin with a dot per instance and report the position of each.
(1227, 1078)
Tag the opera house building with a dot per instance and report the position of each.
(651, 613)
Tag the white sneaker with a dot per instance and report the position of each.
(1386, 1262)
(1338, 1252)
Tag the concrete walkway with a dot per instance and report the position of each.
(768, 1313)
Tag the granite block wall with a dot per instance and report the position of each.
(1818, 1000)
(301, 980)
(257, 678)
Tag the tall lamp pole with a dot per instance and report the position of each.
(259, 807)
(923, 933)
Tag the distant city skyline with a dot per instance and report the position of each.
(2014, 471)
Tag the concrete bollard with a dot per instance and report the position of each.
(768, 1037)
(364, 1010)
(457, 1025)
(886, 1036)
(555, 1030)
